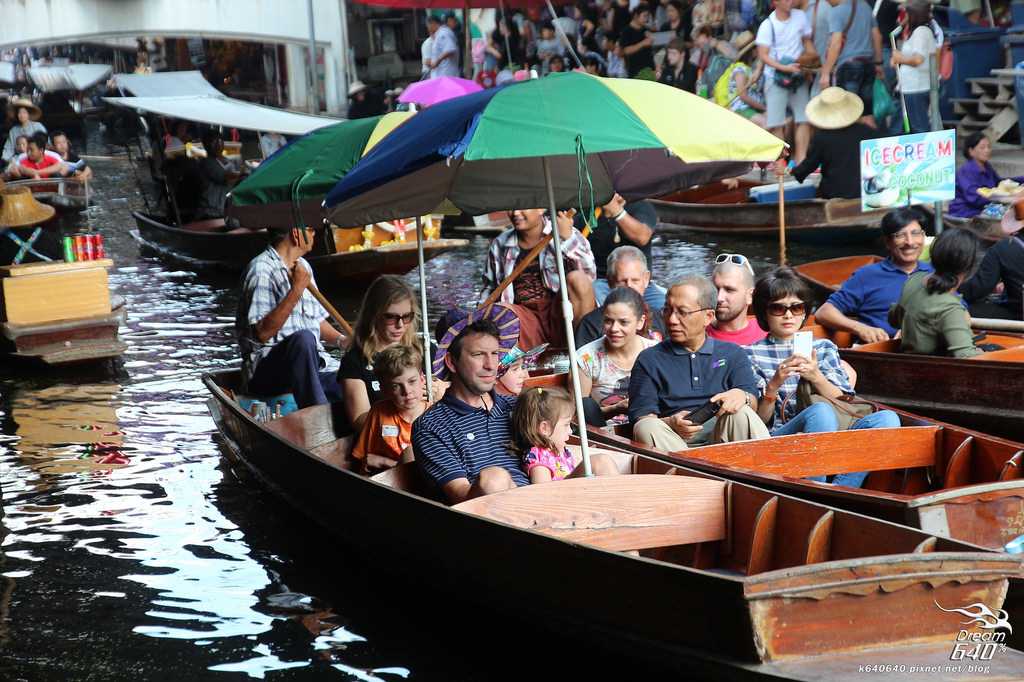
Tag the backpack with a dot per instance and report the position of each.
(720, 94)
(717, 65)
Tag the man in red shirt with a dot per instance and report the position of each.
(733, 276)
(37, 163)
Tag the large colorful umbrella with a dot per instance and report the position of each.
(437, 90)
(306, 169)
(501, 149)
(483, 151)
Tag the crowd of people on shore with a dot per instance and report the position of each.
(723, 347)
(30, 152)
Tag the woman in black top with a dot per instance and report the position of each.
(1004, 262)
(680, 20)
(388, 317)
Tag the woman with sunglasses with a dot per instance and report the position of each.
(781, 302)
(387, 318)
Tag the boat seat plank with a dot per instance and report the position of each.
(1012, 469)
(1004, 355)
(806, 455)
(762, 544)
(617, 513)
(819, 540)
(311, 426)
(915, 482)
(958, 470)
(408, 477)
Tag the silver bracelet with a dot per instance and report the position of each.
(621, 215)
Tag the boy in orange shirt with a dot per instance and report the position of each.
(386, 438)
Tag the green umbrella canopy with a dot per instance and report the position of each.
(309, 166)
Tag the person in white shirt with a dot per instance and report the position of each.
(444, 50)
(781, 39)
(912, 61)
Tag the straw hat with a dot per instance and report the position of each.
(834, 108)
(34, 112)
(455, 320)
(1011, 224)
(743, 43)
(18, 208)
(356, 87)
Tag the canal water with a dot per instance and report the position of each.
(134, 552)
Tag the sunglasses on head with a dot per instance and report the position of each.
(735, 259)
(780, 309)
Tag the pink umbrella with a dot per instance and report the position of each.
(436, 90)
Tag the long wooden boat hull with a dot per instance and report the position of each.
(825, 276)
(68, 341)
(728, 625)
(393, 259)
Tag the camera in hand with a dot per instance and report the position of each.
(704, 412)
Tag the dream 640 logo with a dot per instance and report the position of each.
(980, 646)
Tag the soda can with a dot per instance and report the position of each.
(87, 245)
(69, 249)
(80, 247)
(98, 246)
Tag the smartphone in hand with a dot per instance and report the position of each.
(803, 344)
(703, 413)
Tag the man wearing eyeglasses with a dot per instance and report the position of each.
(861, 306)
(733, 276)
(282, 328)
(688, 369)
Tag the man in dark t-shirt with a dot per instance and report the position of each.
(627, 267)
(636, 42)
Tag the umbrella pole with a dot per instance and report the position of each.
(423, 306)
(782, 219)
(567, 315)
(508, 49)
(467, 66)
(568, 43)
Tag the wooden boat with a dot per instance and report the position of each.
(783, 587)
(712, 208)
(987, 229)
(67, 341)
(826, 276)
(210, 244)
(64, 194)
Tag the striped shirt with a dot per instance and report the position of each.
(454, 440)
(266, 282)
(766, 356)
(504, 252)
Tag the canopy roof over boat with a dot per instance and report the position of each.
(68, 77)
(164, 84)
(188, 95)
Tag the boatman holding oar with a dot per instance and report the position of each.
(282, 328)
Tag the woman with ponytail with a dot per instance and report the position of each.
(934, 321)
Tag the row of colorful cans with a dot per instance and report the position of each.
(81, 247)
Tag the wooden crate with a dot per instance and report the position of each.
(46, 292)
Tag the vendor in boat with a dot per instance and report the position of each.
(535, 292)
(626, 267)
(781, 301)
(282, 329)
(688, 370)
(861, 306)
(1003, 263)
(213, 177)
(976, 173)
(461, 442)
(388, 317)
(386, 437)
(606, 363)
(73, 164)
(27, 115)
(733, 277)
(835, 147)
(620, 224)
(931, 316)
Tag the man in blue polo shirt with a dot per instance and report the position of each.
(687, 370)
(861, 306)
(461, 443)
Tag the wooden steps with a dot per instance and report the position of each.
(992, 110)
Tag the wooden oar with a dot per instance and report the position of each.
(523, 264)
(997, 325)
(331, 310)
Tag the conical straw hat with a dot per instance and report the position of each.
(18, 208)
(34, 112)
(834, 108)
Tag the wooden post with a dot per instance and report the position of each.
(936, 121)
(782, 218)
(467, 64)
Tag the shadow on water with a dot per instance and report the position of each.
(132, 553)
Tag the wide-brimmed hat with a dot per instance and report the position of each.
(356, 87)
(834, 108)
(455, 320)
(18, 208)
(34, 112)
(743, 43)
(517, 354)
(1012, 224)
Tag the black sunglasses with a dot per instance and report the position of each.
(780, 309)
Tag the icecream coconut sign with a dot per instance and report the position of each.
(907, 169)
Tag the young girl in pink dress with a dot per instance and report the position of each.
(540, 433)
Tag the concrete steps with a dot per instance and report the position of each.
(993, 110)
